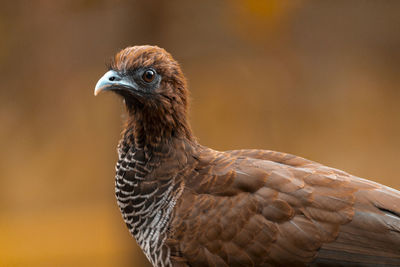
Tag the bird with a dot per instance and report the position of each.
(189, 205)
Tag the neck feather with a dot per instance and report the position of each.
(151, 129)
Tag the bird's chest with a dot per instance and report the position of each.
(146, 206)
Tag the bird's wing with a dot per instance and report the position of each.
(255, 208)
(372, 237)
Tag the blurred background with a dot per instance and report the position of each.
(319, 79)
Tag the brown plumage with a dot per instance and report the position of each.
(189, 205)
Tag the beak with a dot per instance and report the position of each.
(112, 80)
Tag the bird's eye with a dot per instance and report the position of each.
(148, 76)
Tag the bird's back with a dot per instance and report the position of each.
(258, 208)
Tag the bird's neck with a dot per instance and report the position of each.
(151, 129)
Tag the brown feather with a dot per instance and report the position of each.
(243, 207)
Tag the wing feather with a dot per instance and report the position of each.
(257, 208)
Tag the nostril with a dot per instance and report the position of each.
(112, 78)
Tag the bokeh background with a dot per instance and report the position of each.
(319, 79)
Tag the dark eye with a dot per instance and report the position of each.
(148, 76)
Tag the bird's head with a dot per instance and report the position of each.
(153, 87)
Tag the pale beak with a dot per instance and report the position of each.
(112, 80)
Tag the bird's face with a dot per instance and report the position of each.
(137, 83)
(145, 76)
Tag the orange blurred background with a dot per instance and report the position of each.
(319, 79)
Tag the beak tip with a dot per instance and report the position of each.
(103, 83)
